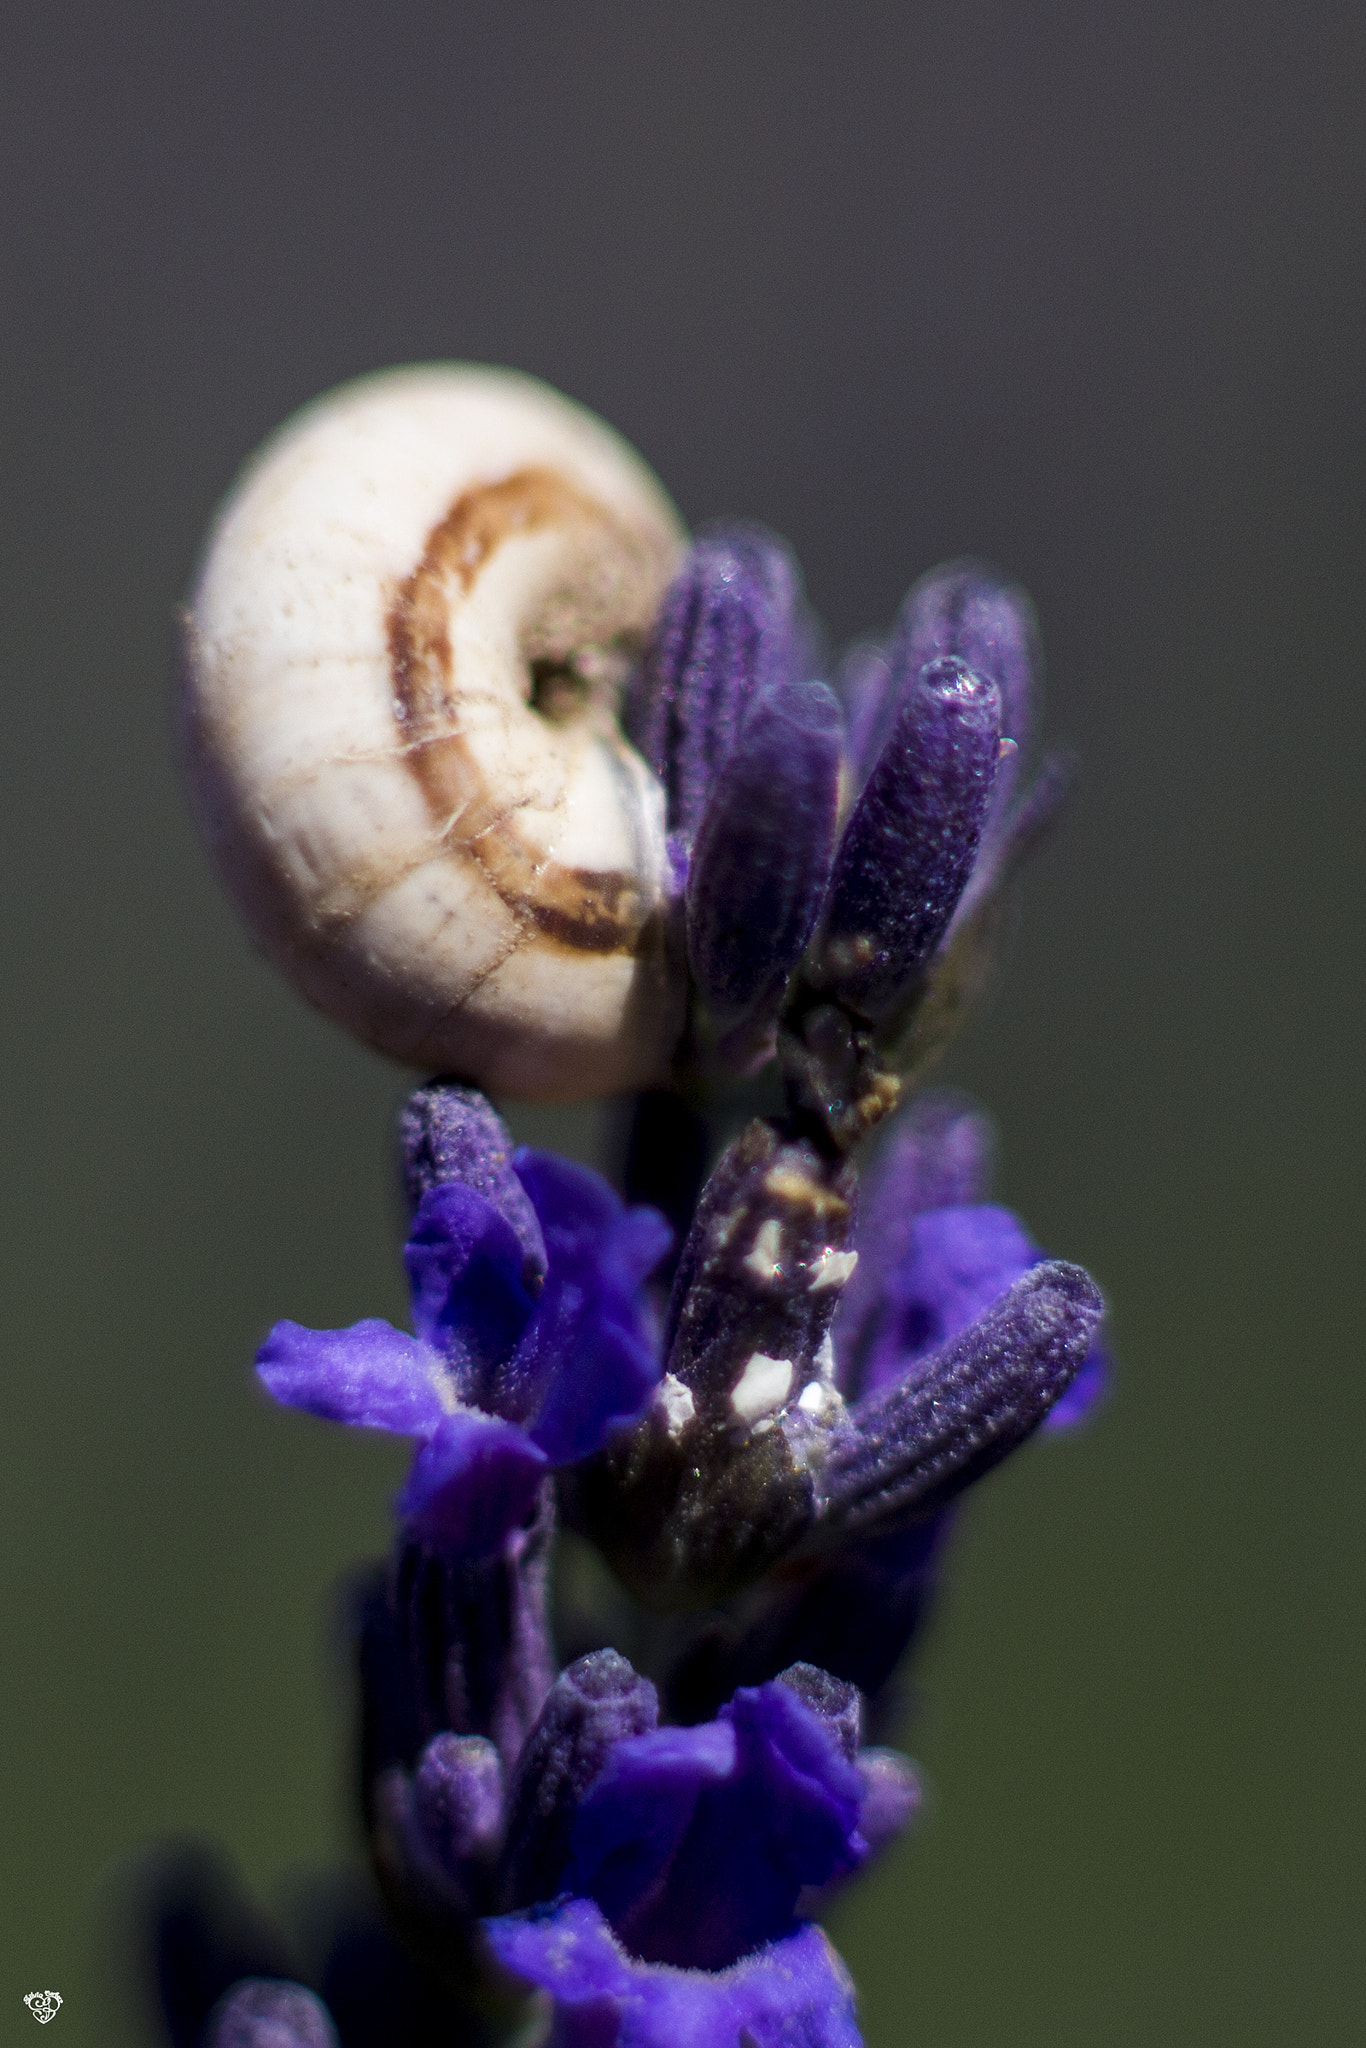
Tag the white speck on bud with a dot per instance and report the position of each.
(831, 1269)
(762, 1387)
(818, 1397)
(675, 1403)
(764, 1258)
(403, 658)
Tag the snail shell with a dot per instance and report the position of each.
(404, 657)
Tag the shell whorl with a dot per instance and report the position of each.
(404, 656)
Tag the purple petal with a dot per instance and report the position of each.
(372, 1376)
(631, 1821)
(472, 1484)
(794, 1994)
(892, 1796)
(588, 1361)
(937, 1155)
(450, 1132)
(1086, 1393)
(697, 1842)
(465, 1264)
(959, 1262)
(763, 852)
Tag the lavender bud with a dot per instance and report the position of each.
(835, 1701)
(472, 1637)
(910, 843)
(870, 700)
(763, 852)
(591, 1707)
(892, 1796)
(968, 610)
(760, 1278)
(716, 1483)
(265, 2012)
(458, 1801)
(450, 1132)
(916, 1445)
(730, 626)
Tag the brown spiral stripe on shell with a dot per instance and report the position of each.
(582, 909)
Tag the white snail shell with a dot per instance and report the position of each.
(404, 657)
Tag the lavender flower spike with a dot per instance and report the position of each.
(909, 846)
(762, 857)
(731, 625)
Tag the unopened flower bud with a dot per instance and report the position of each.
(919, 1442)
(908, 849)
(730, 626)
(762, 859)
(591, 1707)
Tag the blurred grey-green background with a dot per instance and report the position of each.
(1076, 287)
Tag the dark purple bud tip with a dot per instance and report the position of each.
(763, 852)
(450, 1132)
(917, 1444)
(264, 2012)
(907, 851)
(731, 624)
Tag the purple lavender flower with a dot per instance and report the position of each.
(498, 1385)
(687, 1854)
